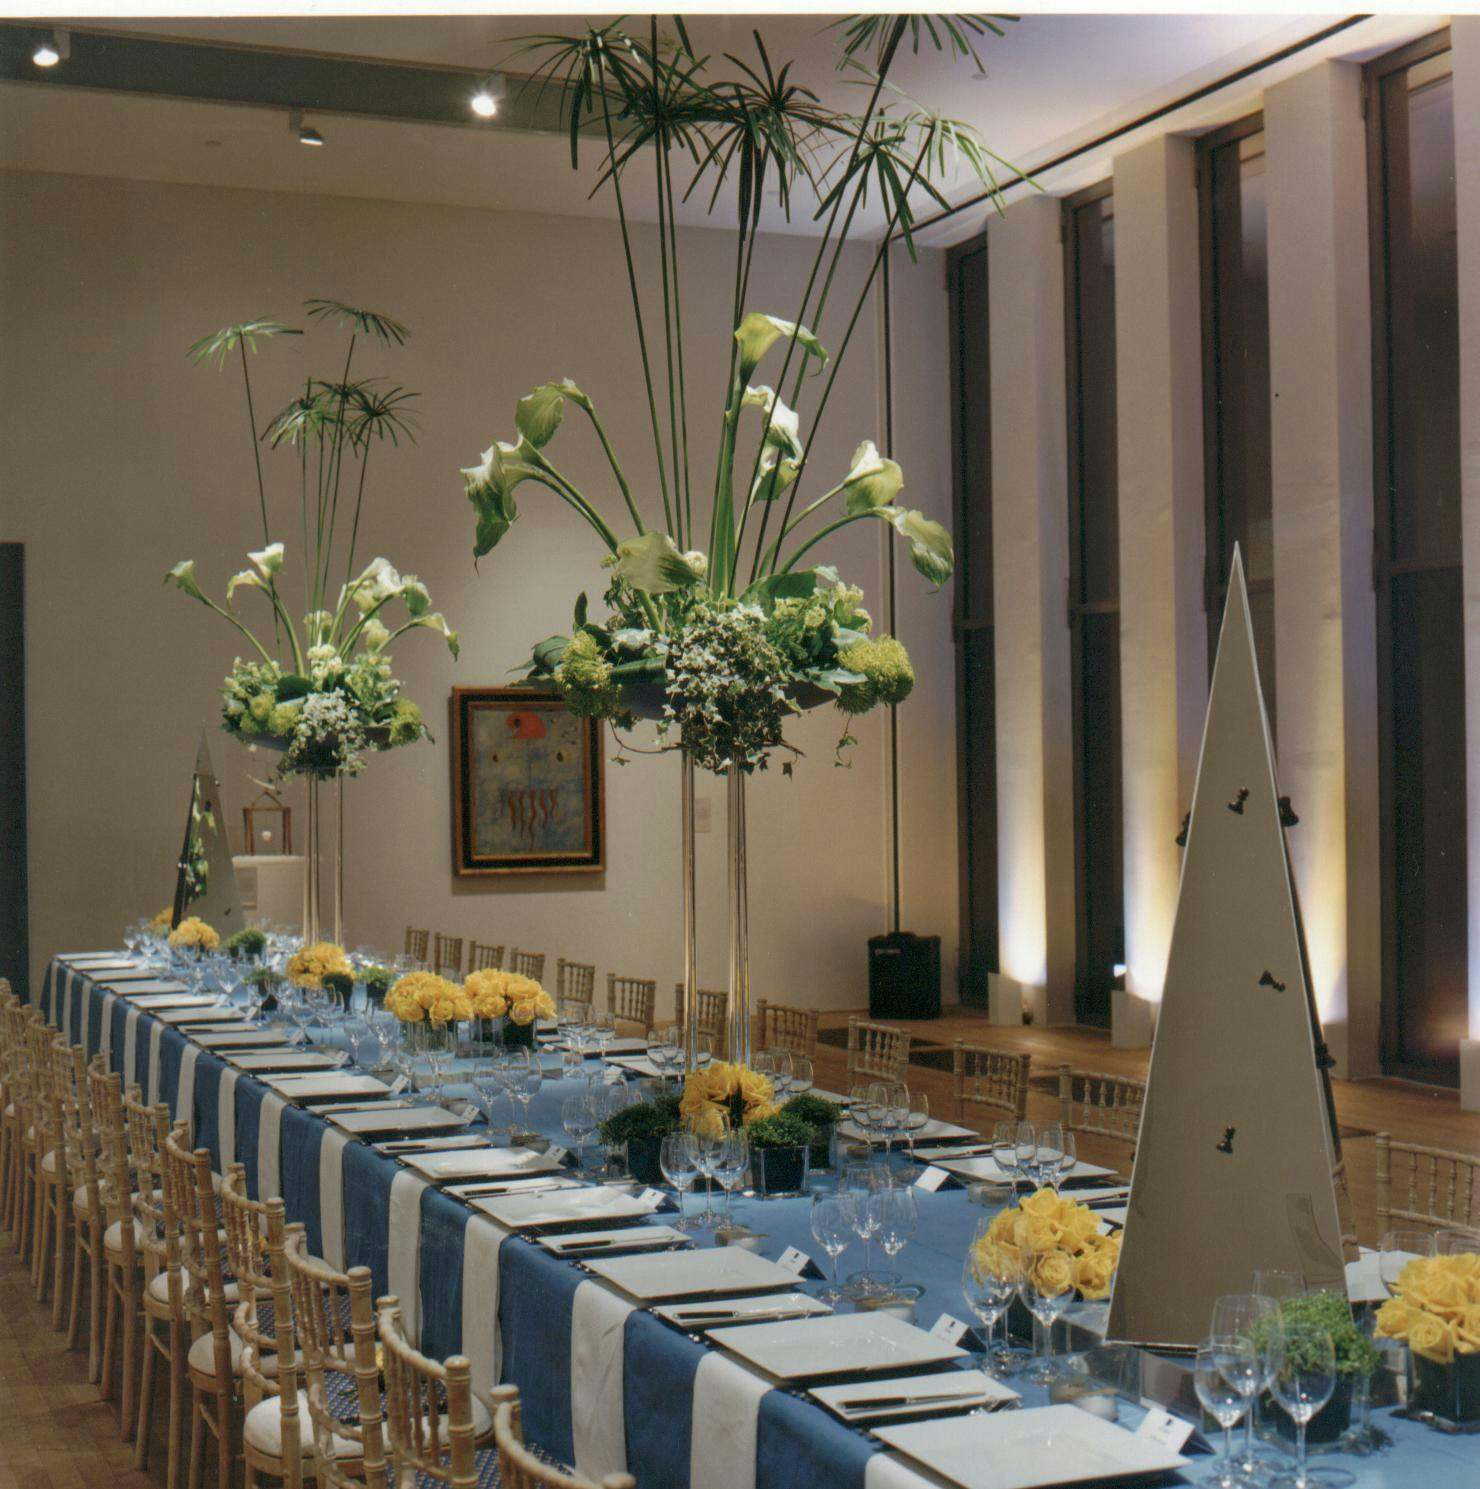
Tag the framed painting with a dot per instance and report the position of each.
(527, 785)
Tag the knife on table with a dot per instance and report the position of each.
(884, 1403)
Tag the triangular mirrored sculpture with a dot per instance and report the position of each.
(1233, 1167)
(205, 885)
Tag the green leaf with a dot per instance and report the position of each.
(416, 597)
(361, 322)
(653, 564)
(183, 575)
(873, 480)
(758, 332)
(216, 347)
(547, 653)
(539, 414)
(581, 608)
(931, 550)
(436, 621)
(833, 679)
(772, 587)
(291, 685)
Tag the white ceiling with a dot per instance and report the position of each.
(1053, 82)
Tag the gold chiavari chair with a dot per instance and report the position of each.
(994, 1080)
(714, 1016)
(433, 1420)
(157, 1205)
(529, 964)
(29, 1096)
(213, 1362)
(53, 1186)
(483, 957)
(877, 1049)
(90, 1209)
(779, 1027)
(519, 1468)
(632, 1004)
(448, 957)
(341, 1394)
(1436, 1187)
(12, 1067)
(417, 943)
(575, 986)
(1106, 1105)
(123, 1253)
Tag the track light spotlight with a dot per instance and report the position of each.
(56, 48)
(307, 134)
(487, 97)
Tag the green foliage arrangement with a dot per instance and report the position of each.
(643, 1119)
(378, 980)
(813, 1110)
(330, 697)
(269, 979)
(340, 983)
(783, 1130)
(721, 621)
(246, 944)
(1356, 1355)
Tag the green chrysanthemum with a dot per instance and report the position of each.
(406, 724)
(585, 677)
(885, 665)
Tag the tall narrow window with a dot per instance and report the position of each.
(1094, 598)
(1417, 559)
(976, 729)
(1235, 305)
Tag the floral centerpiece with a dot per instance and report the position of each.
(506, 1005)
(193, 934)
(1054, 1240)
(1436, 1312)
(161, 923)
(308, 966)
(1356, 1360)
(246, 944)
(722, 1093)
(430, 1007)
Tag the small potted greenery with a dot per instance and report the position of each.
(780, 1147)
(640, 1129)
(377, 981)
(1357, 1360)
(822, 1117)
(268, 980)
(339, 986)
(246, 945)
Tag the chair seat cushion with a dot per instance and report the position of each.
(113, 1237)
(159, 1288)
(202, 1358)
(263, 1430)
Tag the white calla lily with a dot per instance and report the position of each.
(873, 480)
(758, 333)
(268, 560)
(653, 564)
(248, 577)
(784, 427)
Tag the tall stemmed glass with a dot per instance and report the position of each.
(1048, 1155)
(1226, 1376)
(1004, 1153)
(858, 1183)
(885, 1114)
(1255, 1319)
(1025, 1144)
(678, 1157)
(731, 1163)
(832, 1228)
(529, 1076)
(1047, 1288)
(990, 1276)
(1303, 1385)
(708, 1138)
(896, 1216)
(1397, 1249)
(917, 1118)
(577, 1117)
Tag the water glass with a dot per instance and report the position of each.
(1256, 1319)
(1046, 1297)
(1397, 1249)
(1048, 1156)
(1004, 1151)
(1226, 1376)
(1303, 1385)
(731, 1163)
(801, 1075)
(896, 1216)
(577, 1117)
(832, 1229)
(990, 1277)
(1025, 1145)
(678, 1157)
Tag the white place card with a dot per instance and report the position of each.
(931, 1179)
(794, 1259)
(1163, 1429)
(949, 1329)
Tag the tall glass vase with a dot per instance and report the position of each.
(313, 849)
(690, 913)
(739, 1050)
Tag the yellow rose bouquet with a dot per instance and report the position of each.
(309, 965)
(160, 924)
(723, 1090)
(423, 997)
(1435, 1311)
(1054, 1241)
(193, 934)
(495, 995)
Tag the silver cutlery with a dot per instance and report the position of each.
(685, 1322)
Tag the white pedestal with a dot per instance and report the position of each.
(1004, 999)
(1469, 1075)
(271, 887)
(1132, 1021)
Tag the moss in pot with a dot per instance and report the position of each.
(780, 1147)
(822, 1117)
(640, 1129)
(1357, 1360)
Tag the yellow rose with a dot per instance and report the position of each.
(1081, 1225)
(1036, 1234)
(994, 1258)
(1431, 1337)
(161, 922)
(1003, 1226)
(443, 1011)
(760, 1111)
(1052, 1273)
(1093, 1272)
(522, 1013)
(544, 1005)
(708, 1121)
(1394, 1319)
(755, 1089)
(1044, 1203)
(1467, 1330)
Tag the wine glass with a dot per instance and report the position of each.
(832, 1228)
(1048, 1155)
(1025, 1145)
(886, 1113)
(678, 1157)
(1456, 1240)
(897, 1214)
(860, 1114)
(577, 1117)
(917, 1118)
(709, 1136)
(529, 1076)
(781, 1072)
(1397, 1249)
(731, 1161)
(989, 1280)
(1303, 1384)
(1047, 1288)
(801, 1075)
(1004, 1152)
(1226, 1376)
(1070, 1157)
(1257, 1320)
(1276, 1283)
(859, 1181)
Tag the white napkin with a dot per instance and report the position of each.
(105, 1034)
(130, 1045)
(727, 1409)
(269, 1145)
(226, 1116)
(403, 1265)
(185, 1091)
(481, 1340)
(156, 1033)
(597, 1332)
(331, 1195)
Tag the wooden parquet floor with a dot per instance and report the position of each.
(56, 1434)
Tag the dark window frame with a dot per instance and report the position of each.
(1091, 999)
(976, 779)
(1380, 164)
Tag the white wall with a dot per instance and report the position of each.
(122, 458)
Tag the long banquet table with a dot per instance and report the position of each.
(604, 1384)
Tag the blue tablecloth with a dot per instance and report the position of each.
(602, 1386)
